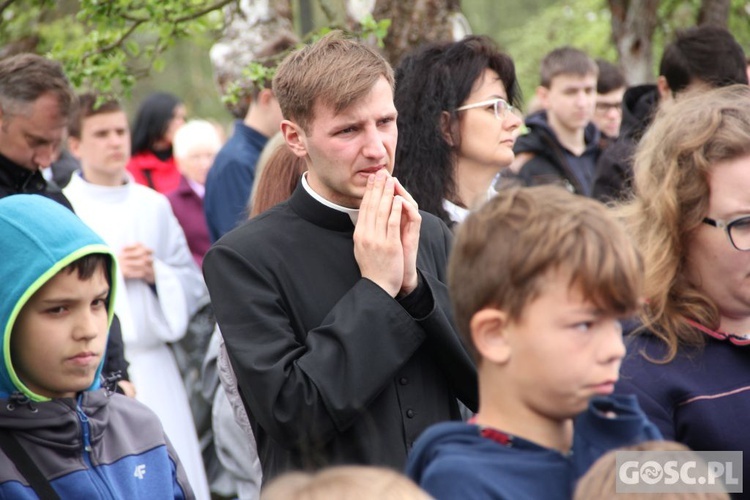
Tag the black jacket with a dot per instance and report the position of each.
(15, 179)
(551, 163)
(614, 170)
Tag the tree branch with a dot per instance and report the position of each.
(117, 43)
(5, 5)
(195, 15)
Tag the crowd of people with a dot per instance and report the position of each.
(387, 283)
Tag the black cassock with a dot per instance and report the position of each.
(331, 368)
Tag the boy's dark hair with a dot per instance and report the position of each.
(87, 265)
(703, 53)
(565, 61)
(610, 77)
(26, 77)
(505, 251)
(87, 106)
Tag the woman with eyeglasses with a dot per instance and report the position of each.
(457, 123)
(689, 364)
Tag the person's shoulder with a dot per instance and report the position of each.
(443, 440)
(450, 432)
(454, 460)
(128, 415)
(643, 345)
(150, 196)
(267, 227)
(432, 223)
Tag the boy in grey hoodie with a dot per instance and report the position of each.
(85, 440)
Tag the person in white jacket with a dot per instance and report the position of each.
(159, 281)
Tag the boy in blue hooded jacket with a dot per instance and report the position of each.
(538, 278)
(87, 442)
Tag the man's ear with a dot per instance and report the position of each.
(665, 93)
(490, 335)
(74, 146)
(265, 96)
(542, 93)
(294, 137)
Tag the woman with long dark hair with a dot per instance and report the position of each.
(157, 120)
(457, 121)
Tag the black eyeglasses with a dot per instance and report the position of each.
(605, 107)
(738, 231)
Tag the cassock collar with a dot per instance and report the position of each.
(312, 210)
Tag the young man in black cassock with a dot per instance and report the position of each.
(332, 304)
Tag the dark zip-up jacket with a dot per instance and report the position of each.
(614, 170)
(15, 179)
(551, 163)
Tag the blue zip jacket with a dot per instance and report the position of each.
(455, 460)
(99, 444)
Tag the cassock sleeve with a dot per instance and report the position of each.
(306, 385)
(445, 345)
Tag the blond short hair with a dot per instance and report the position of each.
(505, 251)
(342, 483)
(600, 480)
(335, 71)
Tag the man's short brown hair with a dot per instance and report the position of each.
(334, 71)
(505, 251)
(26, 77)
(89, 104)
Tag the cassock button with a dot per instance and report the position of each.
(410, 413)
(403, 381)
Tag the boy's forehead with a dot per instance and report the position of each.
(118, 117)
(573, 80)
(67, 280)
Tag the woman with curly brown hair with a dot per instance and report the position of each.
(690, 217)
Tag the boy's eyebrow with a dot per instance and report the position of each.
(589, 309)
(51, 300)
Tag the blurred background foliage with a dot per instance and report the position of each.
(526, 30)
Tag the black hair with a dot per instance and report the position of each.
(152, 120)
(610, 77)
(704, 53)
(438, 78)
(87, 265)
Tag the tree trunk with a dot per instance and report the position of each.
(714, 12)
(253, 30)
(416, 22)
(633, 25)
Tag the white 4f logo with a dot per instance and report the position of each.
(140, 471)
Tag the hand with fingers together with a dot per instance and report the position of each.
(137, 262)
(411, 222)
(377, 236)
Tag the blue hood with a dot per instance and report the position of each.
(38, 238)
